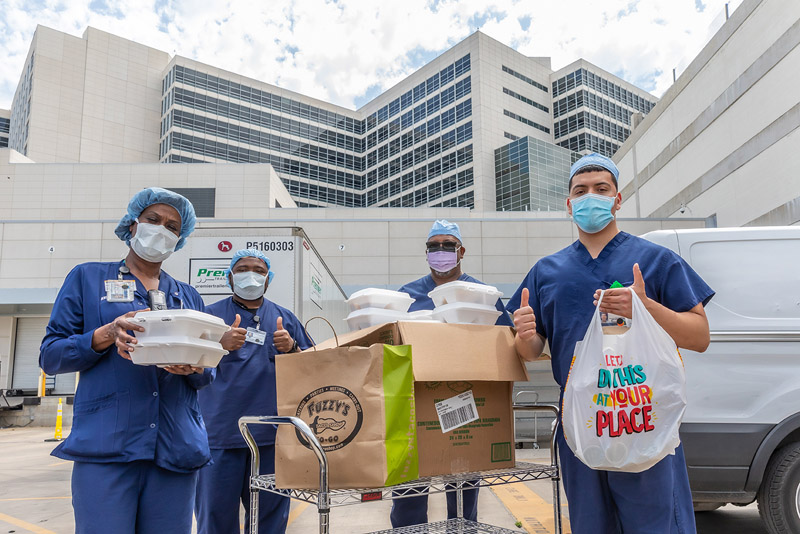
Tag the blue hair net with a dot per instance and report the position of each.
(595, 159)
(157, 195)
(250, 253)
(443, 227)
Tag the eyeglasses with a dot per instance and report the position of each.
(447, 246)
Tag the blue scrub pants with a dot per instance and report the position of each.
(606, 502)
(414, 510)
(134, 497)
(225, 483)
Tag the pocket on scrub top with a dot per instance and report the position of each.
(183, 436)
(99, 426)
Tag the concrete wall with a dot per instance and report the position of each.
(723, 140)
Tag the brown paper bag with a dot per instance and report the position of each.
(359, 402)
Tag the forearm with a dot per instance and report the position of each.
(102, 338)
(688, 329)
(529, 350)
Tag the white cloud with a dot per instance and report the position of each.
(335, 50)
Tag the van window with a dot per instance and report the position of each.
(753, 278)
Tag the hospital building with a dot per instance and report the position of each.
(443, 137)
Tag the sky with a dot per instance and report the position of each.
(349, 51)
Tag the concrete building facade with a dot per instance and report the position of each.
(428, 141)
(722, 142)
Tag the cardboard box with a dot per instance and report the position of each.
(449, 359)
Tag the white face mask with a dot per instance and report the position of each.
(249, 285)
(153, 242)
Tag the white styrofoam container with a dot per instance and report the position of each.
(179, 323)
(366, 317)
(466, 312)
(460, 291)
(372, 297)
(178, 350)
(422, 315)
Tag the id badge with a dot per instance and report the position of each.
(256, 336)
(120, 290)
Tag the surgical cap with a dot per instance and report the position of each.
(250, 253)
(443, 227)
(157, 195)
(595, 159)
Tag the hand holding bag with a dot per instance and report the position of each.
(625, 395)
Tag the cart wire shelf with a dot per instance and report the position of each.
(451, 526)
(523, 472)
(324, 498)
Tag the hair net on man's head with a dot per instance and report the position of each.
(443, 227)
(249, 253)
(595, 159)
(157, 195)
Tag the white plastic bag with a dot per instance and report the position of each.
(625, 395)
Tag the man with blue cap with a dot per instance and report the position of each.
(555, 303)
(444, 251)
(245, 385)
(137, 439)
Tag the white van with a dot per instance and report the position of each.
(741, 431)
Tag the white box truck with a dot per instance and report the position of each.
(302, 283)
(741, 430)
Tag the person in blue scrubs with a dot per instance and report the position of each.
(137, 437)
(245, 385)
(444, 251)
(555, 303)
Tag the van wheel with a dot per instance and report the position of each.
(779, 494)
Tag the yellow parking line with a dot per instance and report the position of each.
(296, 511)
(535, 514)
(30, 527)
(34, 498)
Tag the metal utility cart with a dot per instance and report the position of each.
(324, 498)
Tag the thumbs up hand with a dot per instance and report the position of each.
(234, 338)
(618, 301)
(281, 338)
(524, 318)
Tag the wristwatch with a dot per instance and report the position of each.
(294, 347)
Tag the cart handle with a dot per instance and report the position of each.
(302, 427)
(526, 407)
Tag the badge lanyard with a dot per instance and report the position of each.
(256, 335)
(120, 290)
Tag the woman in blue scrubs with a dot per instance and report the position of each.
(555, 303)
(245, 385)
(137, 436)
(444, 251)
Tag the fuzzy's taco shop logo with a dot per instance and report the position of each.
(334, 415)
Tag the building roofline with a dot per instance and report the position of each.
(739, 16)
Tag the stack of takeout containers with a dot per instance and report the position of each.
(178, 337)
(465, 302)
(373, 306)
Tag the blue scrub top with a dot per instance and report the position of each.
(123, 412)
(419, 289)
(245, 378)
(562, 288)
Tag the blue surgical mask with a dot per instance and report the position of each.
(592, 212)
(249, 285)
